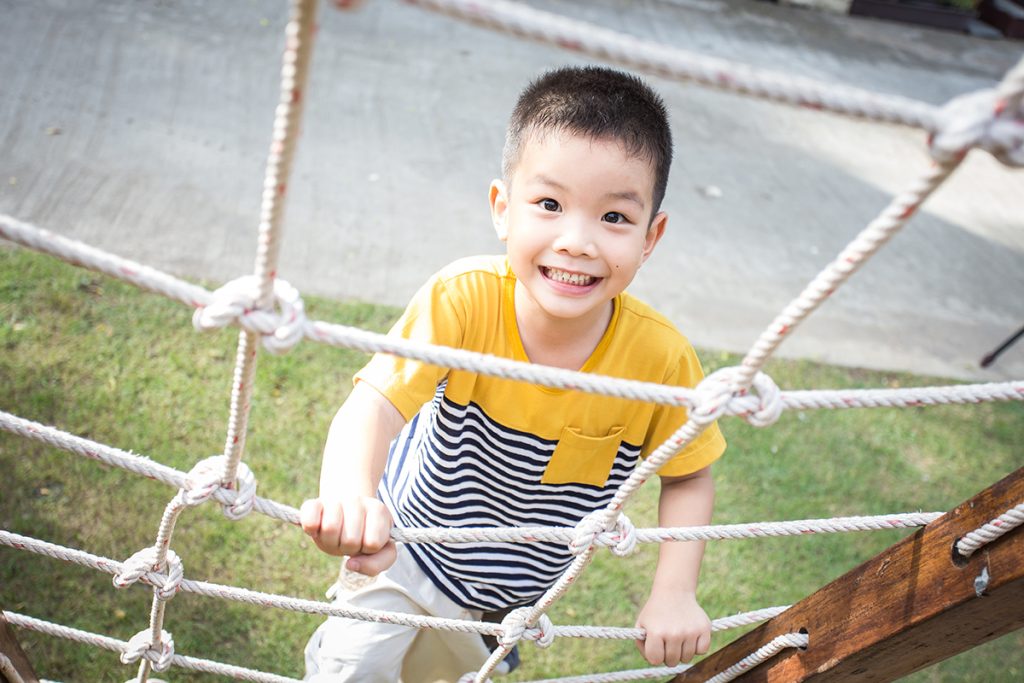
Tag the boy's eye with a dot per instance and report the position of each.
(549, 205)
(614, 217)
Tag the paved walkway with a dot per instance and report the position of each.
(143, 129)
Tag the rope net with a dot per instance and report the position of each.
(270, 312)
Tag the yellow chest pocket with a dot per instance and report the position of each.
(582, 459)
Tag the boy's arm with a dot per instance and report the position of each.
(348, 518)
(677, 628)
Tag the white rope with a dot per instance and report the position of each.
(230, 499)
(280, 326)
(997, 124)
(663, 60)
(142, 465)
(990, 531)
(614, 539)
(114, 645)
(763, 654)
(648, 674)
(8, 670)
(852, 257)
(160, 579)
(294, 74)
(991, 119)
(759, 657)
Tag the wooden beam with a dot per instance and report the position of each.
(907, 608)
(10, 648)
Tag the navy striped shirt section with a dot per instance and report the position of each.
(453, 466)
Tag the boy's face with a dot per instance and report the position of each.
(576, 220)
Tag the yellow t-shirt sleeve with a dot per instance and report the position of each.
(434, 316)
(709, 444)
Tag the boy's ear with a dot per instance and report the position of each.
(654, 234)
(498, 196)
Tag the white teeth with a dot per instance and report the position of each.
(570, 278)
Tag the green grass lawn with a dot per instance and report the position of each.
(104, 361)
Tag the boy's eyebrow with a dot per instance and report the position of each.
(627, 195)
(542, 179)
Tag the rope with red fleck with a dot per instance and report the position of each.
(671, 62)
(990, 531)
(763, 654)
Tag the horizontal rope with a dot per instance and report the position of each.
(114, 645)
(668, 61)
(153, 470)
(131, 462)
(261, 599)
(244, 674)
(990, 531)
(661, 535)
(350, 337)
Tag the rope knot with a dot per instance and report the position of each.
(982, 119)
(146, 563)
(514, 628)
(721, 394)
(281, 327)
(591, 529)
(586, 532)
(204, 480)
(141, 647)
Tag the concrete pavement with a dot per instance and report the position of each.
(142, 128)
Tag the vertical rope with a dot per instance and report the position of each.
(287, 117)
(294, 74)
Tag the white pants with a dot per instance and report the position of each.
(343, 650)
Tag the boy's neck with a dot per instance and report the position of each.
(559, 342)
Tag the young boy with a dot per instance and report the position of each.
(585, 166)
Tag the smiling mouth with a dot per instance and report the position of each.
(568, 278)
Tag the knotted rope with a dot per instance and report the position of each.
(141, 647)
(146, 564)
(990, 119)
(591, 528)
(281, 326)
(721, 393)
(514, 627)
(204, 481)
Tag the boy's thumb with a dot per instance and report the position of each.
(371, 565)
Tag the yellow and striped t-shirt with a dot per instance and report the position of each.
(484, 451)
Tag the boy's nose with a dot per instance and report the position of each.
(575, 238)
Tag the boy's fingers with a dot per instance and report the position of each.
(689, 647)
(704, 643)
(377, 532)
(654, 650)
(674, 650)
(350, 535)
(374, 564)
(309, 516)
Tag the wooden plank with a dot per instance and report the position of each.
(905, 609)
(12, 650)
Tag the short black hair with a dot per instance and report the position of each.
(600, 103)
